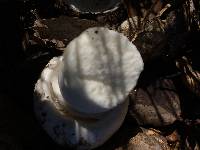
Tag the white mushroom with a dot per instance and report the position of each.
(80, 98)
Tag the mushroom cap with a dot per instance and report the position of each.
(66, 127)
(93, 6)
(100, 67)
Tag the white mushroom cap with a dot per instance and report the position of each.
(93, 6)
(100, 67)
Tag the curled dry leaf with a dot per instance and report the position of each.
(190, 77)
(148, 20)
(157, 104)
(102, 10)
(151, 44)
(173, 137)
(148, 140)
(60, 31)
(90, 6)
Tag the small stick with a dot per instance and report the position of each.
(163, 10)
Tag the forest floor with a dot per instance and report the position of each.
(21, 65)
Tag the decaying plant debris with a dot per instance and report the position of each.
(165, 32)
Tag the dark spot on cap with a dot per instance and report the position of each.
(96, 31)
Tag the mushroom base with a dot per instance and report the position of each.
(68, 128)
